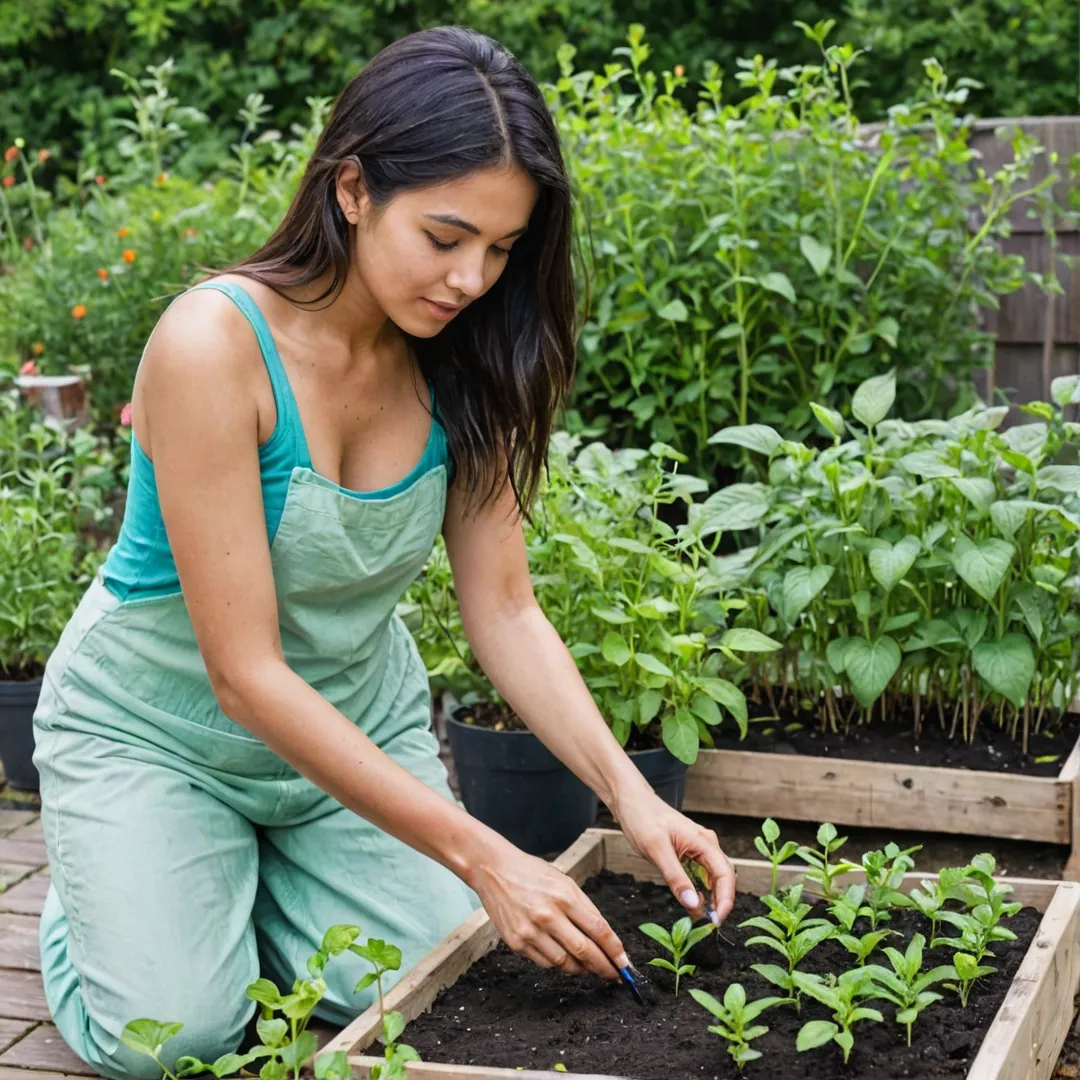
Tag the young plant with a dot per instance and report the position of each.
(681, 939)
(766, 845)
(885, 872)
(789, 932)
(844, 997)
(981, 889)
(822, 872)
(733, 1018)
(906, 986)
(931, 898)
(966, 970)
(846, 909)
(978, 930)
(385, 958)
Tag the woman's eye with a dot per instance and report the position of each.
(438, 245)
(504, 252)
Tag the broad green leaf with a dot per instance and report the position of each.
(817, 254)
(648, 705)
(656, 607)
(927, 464)
(890, 563)
(979, 491)
(982, 565)
(273, 1070)
(760, 438)
(873, 399)
(746, 639)
(680, 734)
(272, 1031)
(870, 666)
(675, 311)
(836, 654)
(770, 830)
(972, 625)
(706, 709)
(648, 662)
(230, 1064)
(801, 585)
(1028, 440)
(734, 998)
(728, 695)
(1065, 390)
(264, 992)
(393, 1026)
(736, 507)
(708, 1002)
(658, 934)
(1065, 478)
(829, 419)
(888, 329)
(615, 650)
(1007, 665)
(297, 1054)
(186, 1066)
(338, 938)
(815, 1033)
(149, 1036)
(616, 616)
(333, 1066)
(778, 283)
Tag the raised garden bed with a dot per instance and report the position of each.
(1023, 1035)
(893, 795)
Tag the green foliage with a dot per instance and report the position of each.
(807, 259)
(735, 1020)
(935, 559)
(966, 969)
(844, 996)
(767, 847)
(682, 937)
(906, 985)
(823, 872)
(55, 490)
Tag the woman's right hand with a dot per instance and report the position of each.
(540, 913)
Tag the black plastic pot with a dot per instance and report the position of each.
(513, 783)
(17, 703)
(664, 771)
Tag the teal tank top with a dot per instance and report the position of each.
(141, 564)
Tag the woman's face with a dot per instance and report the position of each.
(433, 251)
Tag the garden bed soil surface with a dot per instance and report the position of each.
(893, 740)
(505, 1012)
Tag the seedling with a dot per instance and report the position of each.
(978, 930)
(790, 933)
(846, 909)
(681, 939)
(981, 889)
(843, 996)
(885, 872)
(966, 969)
(906, 986)
(822, 872)
(732, 1018)
(930, 899)
(383, 958)
(766, 845)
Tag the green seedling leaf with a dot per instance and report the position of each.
(680, 734)
(801, 585)
(735, 508)
(368, 980)
(829, 419)
(392, 1027)
(728, 695)
(149, 1036)
(333, 1066)
(816, 1033)
(265, 993)
(873, 399)
(760, 438)
(274, 1070)
(746, 639)
(982, 565)
(778, 283)
(888, 329)
(658, 934)
(674, 311)
(1007, 665)
(271, 1032)
(705, 709)
(890, 563)
(928, 465)
(836, 654)
(816, 254)
(1064, 478)
(615, 649)
(648, 706)
(648, 662)
(297, 1054)
(870, 666)
(338, 938)
(979, 491)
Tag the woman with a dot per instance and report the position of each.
(234, 734)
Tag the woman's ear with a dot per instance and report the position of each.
(351, 196)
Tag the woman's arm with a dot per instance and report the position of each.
(196, 415)
(529, 665)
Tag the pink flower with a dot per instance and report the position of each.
(125, 415)
(29, 368)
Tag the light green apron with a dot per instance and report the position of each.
(183, 851)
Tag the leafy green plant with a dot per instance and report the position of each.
(846, 909)
(932, 897)
(907, 985)
(885, 872)
(822, 872)
(735, 1020)
(979, 929)
(844, 996)
(766, 845)
(682, 937)
(966, 970)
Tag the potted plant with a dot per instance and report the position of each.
(51, 484)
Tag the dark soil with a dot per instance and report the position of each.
(487, 714)
(27, 674)
(892, 739)
(505, 1012)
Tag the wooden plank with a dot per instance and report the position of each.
(28, 897)
(44, 1049)
(19, 943)
(22, 996)
(11, 874)
(14, 819)
(457, 952)
(11, 1030)
(871, 793)
(8, 1073)
(29, 852)
(30, 830)
(430, 1070)
(1029, 1029)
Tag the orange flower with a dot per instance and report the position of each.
(78, 311)
(125, 415)
(43, 156)
(99, 180)
(11, 153)
(190, 234)
(9, 181)
(125, 231)
(680, 71)
(37, 348)
(129, 255)
(29, 368)
(103, 273)
(163, 177)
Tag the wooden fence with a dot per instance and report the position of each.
(1038, 335)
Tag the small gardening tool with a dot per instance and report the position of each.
(639, 985)
(700, 877)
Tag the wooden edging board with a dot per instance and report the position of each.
(795, 787)
(1022, 1043)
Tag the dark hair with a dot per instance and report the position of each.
(430, 108)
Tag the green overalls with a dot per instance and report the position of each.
(184, 853)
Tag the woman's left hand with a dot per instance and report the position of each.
(665, 837)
